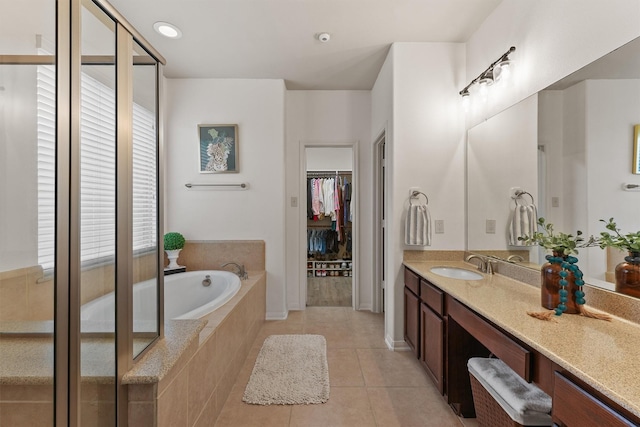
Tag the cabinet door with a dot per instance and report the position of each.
(432, 345)
(412, 320)
(575, 407)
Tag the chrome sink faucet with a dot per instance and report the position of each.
(485, 265)
(242, 272)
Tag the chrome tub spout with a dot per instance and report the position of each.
(242, 272)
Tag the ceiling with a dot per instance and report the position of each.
(275, 39)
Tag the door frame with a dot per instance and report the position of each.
(302, 210)
(379, 229)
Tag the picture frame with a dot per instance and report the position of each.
(635, 168)
(218, 148)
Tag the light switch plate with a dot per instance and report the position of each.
(439, 226)
(491, 226)
(294, 202)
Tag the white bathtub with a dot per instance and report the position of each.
(184, 298)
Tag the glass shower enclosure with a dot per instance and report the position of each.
(80, 210)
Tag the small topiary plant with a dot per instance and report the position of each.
(173, 241)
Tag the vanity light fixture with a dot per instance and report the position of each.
(168, 30)
(498, 70)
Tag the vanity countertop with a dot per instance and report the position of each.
(603, 354)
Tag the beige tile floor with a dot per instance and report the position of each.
(370, 385)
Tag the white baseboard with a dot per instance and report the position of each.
(365, 307)
(396, 345)
(277, 315)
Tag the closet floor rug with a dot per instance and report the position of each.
(290, 370)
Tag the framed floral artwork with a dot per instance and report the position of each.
(218, 148)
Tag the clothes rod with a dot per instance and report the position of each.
(328, 173)
(241, 185)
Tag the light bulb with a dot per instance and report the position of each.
(466, 100)
(483, 87)
(503, 70)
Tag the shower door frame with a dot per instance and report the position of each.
(68, 62)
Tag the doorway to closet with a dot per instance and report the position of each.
(330, 226)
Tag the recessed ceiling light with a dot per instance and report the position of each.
(167, 30)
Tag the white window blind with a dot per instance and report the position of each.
(97, 171)
(46, 131)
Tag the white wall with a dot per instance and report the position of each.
(612, 111)
(553, 38)
(426, 151)
(501, 155)
(329, 159)
(257, 106)
(18, 168)
(598, 119)
(319, 118)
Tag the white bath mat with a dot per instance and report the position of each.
(290, 370)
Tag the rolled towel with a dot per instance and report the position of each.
(417, 226)
(524, 220)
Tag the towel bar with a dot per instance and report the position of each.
(241, 185)
(417, 194)
(520, 193)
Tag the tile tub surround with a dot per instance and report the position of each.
(192, 391)
(211, 254)
(26, 295)
(602, 354)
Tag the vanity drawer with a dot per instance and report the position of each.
(412, 281)
(574, 406)
(502, 346)
(432, 296)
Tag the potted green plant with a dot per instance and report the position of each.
(562, 281)
(560, 244)
(173, 244)
(627, 272)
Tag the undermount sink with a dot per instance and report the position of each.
(456, 273)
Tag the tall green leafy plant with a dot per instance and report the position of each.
(562, 243)
(626, 242)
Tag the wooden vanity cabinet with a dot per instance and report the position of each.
(412, 311)
(432, 332)
(574, 406)
(444, 334)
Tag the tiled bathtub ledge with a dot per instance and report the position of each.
(179, 339)
(182, 339)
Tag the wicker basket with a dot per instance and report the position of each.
(488, 412)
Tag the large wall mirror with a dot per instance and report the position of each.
(570, 147)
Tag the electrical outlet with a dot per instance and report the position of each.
(439, 226)
(491, 226)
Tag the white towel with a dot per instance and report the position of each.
(524, 222)
(417, 227)
(522, 396)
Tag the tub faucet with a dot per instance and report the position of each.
(206, 281)
(242, 272)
